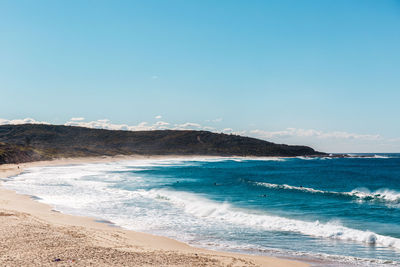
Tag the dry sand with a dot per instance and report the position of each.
(32, 234)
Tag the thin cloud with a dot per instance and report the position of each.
(215, 120)
(77, 119)
(294, 132)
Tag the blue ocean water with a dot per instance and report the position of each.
(342, 211)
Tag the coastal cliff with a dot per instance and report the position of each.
(32, 142)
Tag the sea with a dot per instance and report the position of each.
(327, 211)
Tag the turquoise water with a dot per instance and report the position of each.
(340, 211)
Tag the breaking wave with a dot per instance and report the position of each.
(224, 212)
(362, 193)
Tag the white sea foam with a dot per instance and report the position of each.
(196, 160)
(308, 158)
(262, 158)
(375, 156)
(381, 157)
(204, 208)
(89, 190)
(383, 194)
(290, 187)
(354, 156)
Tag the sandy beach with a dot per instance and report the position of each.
(32, 234)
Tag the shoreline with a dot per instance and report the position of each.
(92, 239)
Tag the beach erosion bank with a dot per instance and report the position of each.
(33, 234)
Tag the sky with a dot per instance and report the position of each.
(318, 73)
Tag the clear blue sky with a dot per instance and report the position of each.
(254, 65)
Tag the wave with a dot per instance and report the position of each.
(314, 158)
(385, 195)
(381, 157)
(308, 158)
(370, 156)
(290, 187)
(223, 212)
(352, 156)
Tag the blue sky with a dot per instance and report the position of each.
(321, 73)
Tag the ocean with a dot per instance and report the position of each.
(336, 211)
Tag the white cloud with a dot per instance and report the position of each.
(227, 130)
(215, 120)
(187, 126)
(154, 77)
(77, 119)
(21, 121)
(106, 124)
(143, 126)
(161, 125)
(208, 128)
(99, 124)
(158, 117)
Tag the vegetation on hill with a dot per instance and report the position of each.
(15, 154)
(30, 142)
